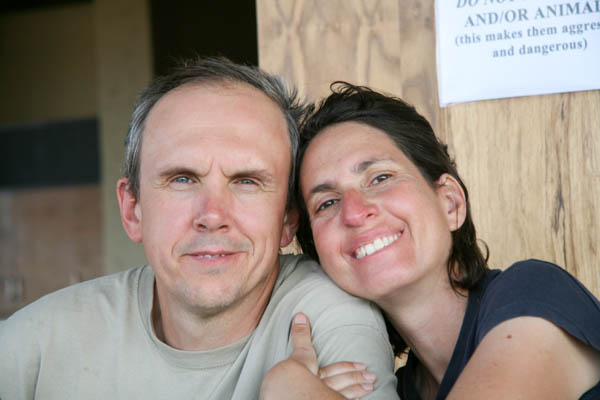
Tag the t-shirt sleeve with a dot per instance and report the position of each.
(541, 289)
(20, 357)
(354, 330)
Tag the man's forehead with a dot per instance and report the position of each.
(196, 123)
(218, 88)
(226, 95)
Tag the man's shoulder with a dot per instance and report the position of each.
(300, 275)
(306, 287)
(84, 298)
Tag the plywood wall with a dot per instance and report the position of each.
(532, 164)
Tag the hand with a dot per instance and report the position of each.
(296, 378)
(303, 351)
(347, 378)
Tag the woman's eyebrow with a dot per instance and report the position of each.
(357, 169)
(323, 187)
(364, 165)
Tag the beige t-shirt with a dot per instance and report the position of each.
(94, 341)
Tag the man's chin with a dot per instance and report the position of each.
(208, 302)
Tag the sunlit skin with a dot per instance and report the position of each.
(358, 187)
(211, 211)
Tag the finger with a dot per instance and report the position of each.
(303, 351)
(340, 368)
(356, 391)
(341, 381)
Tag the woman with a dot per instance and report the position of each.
(387, 215)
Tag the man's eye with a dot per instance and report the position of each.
(326, 204)
(247, 184)
(181, 182)
(182, 179)
(380, 178)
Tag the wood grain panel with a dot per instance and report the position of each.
(532, 164)
(314, 43)
(529, 165)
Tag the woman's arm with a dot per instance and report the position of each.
(528, 358)
(299, 377)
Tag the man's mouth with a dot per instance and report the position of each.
(210, 255)
(375, 246)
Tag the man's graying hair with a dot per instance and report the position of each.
(213, 71)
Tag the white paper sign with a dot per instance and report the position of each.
(489, 49)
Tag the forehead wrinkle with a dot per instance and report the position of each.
(171, 167)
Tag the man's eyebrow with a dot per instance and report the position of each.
(259, 173)
(170, 171)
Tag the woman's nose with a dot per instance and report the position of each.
(356, 209)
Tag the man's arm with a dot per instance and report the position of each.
(344, 328)
(20, 359)
(297, 377)
(355, 333)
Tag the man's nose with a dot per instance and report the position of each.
(212, 210)
(356, 209)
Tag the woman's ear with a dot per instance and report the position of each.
(452, 198)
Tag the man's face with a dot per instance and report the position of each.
(213, 184)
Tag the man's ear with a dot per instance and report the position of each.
(290, 226)
(131, 214)
(452, 198)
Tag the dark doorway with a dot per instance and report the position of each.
(186, 28)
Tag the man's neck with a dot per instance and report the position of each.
(185, 328)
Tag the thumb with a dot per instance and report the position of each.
(302, 349)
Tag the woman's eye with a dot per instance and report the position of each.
(326, 204)
(380, 178)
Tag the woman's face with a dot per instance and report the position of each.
(378, 225)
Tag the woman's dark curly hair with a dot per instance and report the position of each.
(414, 136)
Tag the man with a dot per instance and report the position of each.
(209, 161)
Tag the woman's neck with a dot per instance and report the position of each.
(429, 319)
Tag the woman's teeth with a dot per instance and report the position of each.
(376, 245)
